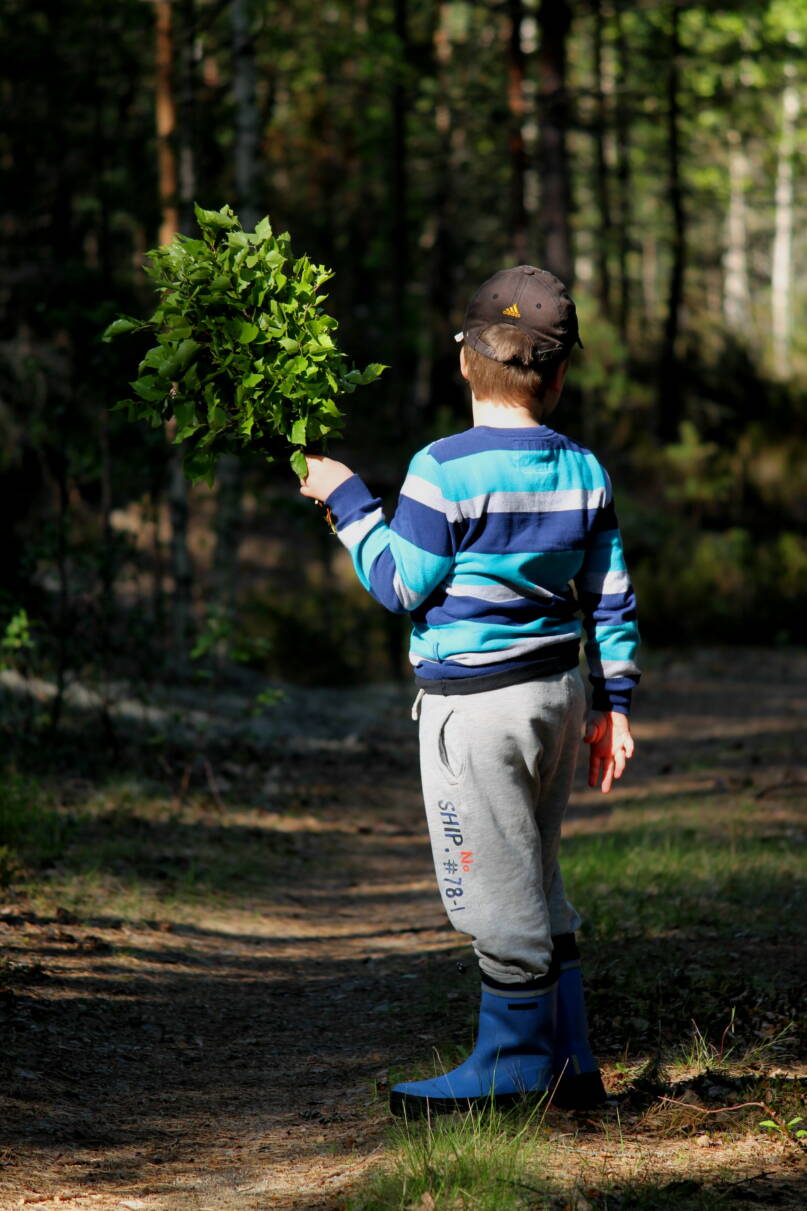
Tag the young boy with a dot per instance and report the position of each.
(504, 534)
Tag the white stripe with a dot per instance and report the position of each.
(612, 668)
(357, 530)
(565, 500)
(493, 592)
(426, 493)
(604, 583)
(523, 648)
(407, 597)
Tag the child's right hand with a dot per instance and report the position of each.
(612, 746)
(325, 475)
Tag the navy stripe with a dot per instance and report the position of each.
(610, 610)
(517, 613)
(424, 527)
(509, 533)
(482, 438)
(382, 572)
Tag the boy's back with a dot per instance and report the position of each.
(503, 536)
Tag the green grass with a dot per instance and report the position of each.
(31, 834)
(482, 1161)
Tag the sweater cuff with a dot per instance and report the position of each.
(349, 501)
(607, 698)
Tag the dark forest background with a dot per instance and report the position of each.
(651, 154)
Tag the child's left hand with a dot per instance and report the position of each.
(324, 476)
(608, 733)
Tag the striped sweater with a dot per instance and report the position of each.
(504, 548)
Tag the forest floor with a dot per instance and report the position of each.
(208, 987)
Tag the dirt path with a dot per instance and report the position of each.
(233, 1054)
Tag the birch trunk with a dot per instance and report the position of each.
(736, 292)
(782, 266)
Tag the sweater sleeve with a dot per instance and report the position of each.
(608, 603)
(400, 564)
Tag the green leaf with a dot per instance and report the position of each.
(217, 220)
(299, 464)
(298, 432)
(248, 333)
(120, 326)
(150, 388)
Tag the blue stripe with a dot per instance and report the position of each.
(551, 570)
(617, 608)
(483, 438)
(517, 613)
(605, 553)
(381, 576)
(506, 533)
(424, 527)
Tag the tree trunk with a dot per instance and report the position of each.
(736, 292)
(229, 472)
(602, 186)
(782, 260)
(180, 561)
(166, 121)
(516, 105)
(247, 118)
(623, 174)
(399, 227)
(554, 22)
(669, 388)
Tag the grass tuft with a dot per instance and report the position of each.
(485, 1160)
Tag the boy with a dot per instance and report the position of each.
(494, 526)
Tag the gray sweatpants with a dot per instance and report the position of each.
(497, 771)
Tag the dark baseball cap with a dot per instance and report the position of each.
(531, 299)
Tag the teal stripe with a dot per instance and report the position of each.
(605, 553)
(421, 571)
(617, 643)
(367, 551)
(518, 471)
(552, 571)
(465, 636)
(425, 466)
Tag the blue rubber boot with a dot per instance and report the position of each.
(512, 1057)
(577, 1084)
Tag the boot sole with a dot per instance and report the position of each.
(405, 1105)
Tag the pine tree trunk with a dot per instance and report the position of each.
(399, 227)
(669, 388)
(554, 22)
(518, 155)
(602, 184)
(166, 120)
(180, 560)
(782, 260)
(736, 292)
(623, 173)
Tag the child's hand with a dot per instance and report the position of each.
(608, 733)
(325, 475)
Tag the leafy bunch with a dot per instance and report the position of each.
(245, 357)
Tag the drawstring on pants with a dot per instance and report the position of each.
(416, 705)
